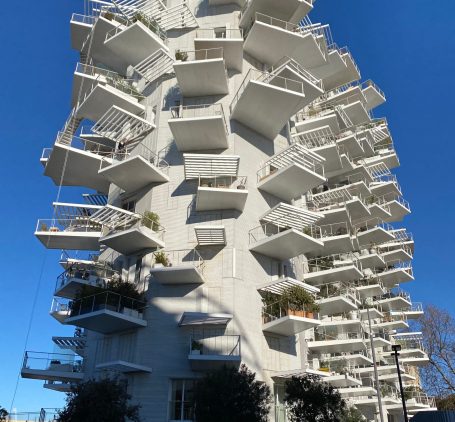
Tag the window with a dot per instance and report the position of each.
(137, 270)
(220, 32)
(129, 205)
(181, 401)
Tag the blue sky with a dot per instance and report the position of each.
(405, 46)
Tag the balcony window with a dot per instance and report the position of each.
(181, 403)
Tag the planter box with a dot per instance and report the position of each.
(302, 314)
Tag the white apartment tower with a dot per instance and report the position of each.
(229, 152)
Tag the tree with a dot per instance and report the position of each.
(228, 395)
(310, 400)
(446, 403)
(438, 329)
(3, 414)
(352, 414)
(105, 400)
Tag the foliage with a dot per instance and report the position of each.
(352, 414)
(105, 400)
(196, 345)
(125, 289)
(151, 220)
(161, 258)
(181, 55)
(3, 414)
(299, 299)
(438, 329)
(310, 400)
(228, 394)
(446, 403)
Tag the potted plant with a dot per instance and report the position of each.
(43, 227)
(181, 55)
(299, 302)
(324, 366)
(151, 220)
(196, 347)
(161, 260)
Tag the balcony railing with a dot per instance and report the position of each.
(397, 293)
(149, 22)
(60, 362)
(348, 291)
(281, 309)
(215, 345)
(266, 78)
(270, 229)
(182, 257)
(198, 111)
(109, 301)
(95, 275)
(224, 33)
(223, 182)
(334, 261)
(355, 335)
(88, 20)
(197, 55)
(74, 225)
(372, 223)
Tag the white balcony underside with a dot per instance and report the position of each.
(355, 359)
(374, 313)
(53, 373)
(240, 3)
(378, 211)
(390, 278)
(357, 392)
(384, 188)
(202, 77)
(290, 182)
(344, 273)
(335, 244)
(390, 325)
(266, 108)
(133, 174)
(286, 245)
(212, 362)
(337, 346)
(180, 274)
(395, 303)
(102, 98)
(61, 387)
(79, 33)
(369, 291)
(336, 305)
(132, 240)
(375, 235)
(333, 72)
(210, 199)
(79, 168)
(290, 325)
(371, 261)
(70, 289)
(330, 121)
(269, 44)
(397, 212)
(281, 284)
(199, 133)
(232, 50)
(70, 240)
(357, 113)
(340, 381)
(419, 362)
(390, 159)
(203, 318)
(134, 44)
(374, 97)
(106, 321)
(334, 162)
(123, 367)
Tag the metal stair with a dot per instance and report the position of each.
(69, 129)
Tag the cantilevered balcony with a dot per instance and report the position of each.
(337, 298)
(74, 161)
(370, 258)
(199, 127)
(209, 352)
(411, 312)
(390, 323)
(99, 97)
(136, 41)
(263, 95)
(412, 350)
(198, 319)
(80, 25)
(373, 231)
(72, 280)
(284, 319)
(393, 274)
(369, 287)
(397, 206)
(230, 40)
(337, 238)
(268, 39)
(52, 367)
(283, 242)
(127, 232)
(221, 192)
(393, 300)
(332, 268)
(281, 284)
(106, 313)
(291, 172)
(341, 342)
(201, 72)
(359, 358)
(134, 169)
(394, 253)
(184, 266)
(74, 232)
(123, 367)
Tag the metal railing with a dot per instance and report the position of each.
(79, 18)
(295, 154)
(107, 301)
(225, 33)
(331, 290)
(141, 221)
(60, 362)
(269, 79)
(215, 345)
(334, 229)
(93, 275)
(397, 293)
(372, 223)
(354, 335)
(90, 70)
(181, 257)
(202, 54)
(281, 309)
(389, 268)
(333, 261)
(198, 110)
(270, 229)
(74, 225)
(45, 415)
(223, 182)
